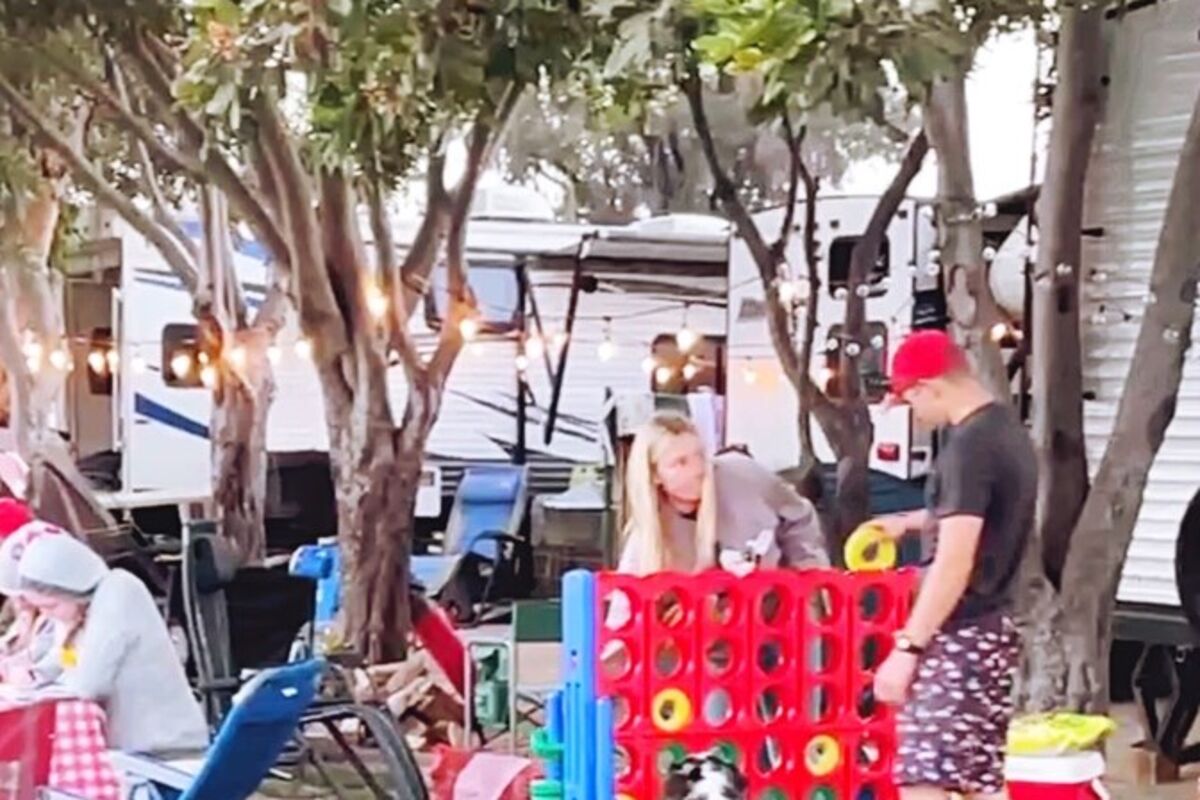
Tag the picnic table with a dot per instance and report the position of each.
(57, 743)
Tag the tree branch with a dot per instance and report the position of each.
(138, 127)
(485, 133)
(866, 252)
(387, 264)
(162, 214)
(795, 141)
(243, 199)
(320, 315)
(88, 176)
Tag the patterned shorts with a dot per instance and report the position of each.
(952, 730)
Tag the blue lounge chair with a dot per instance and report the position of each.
(484, 556)
(248, 745)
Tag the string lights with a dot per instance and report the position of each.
(686, 338)
(377, 302)
(607, 350)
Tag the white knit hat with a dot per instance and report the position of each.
(13, 548)
(62, 563)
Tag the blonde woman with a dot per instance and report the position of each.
(687, 512)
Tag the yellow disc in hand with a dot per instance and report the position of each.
(822, 755)
(671, 711)
(869, 549)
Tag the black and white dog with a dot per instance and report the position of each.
(707, 776)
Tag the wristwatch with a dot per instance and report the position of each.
(905, 644)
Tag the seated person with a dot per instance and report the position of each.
(688, 512)
(27, 648)
(116, 649)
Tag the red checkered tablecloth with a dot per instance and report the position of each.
(62, 745)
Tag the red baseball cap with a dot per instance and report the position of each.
(13, 515)
(922, 356)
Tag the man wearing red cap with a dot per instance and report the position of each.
(952, 669)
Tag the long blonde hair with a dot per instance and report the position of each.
(644, 527)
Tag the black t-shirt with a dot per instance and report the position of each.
(986, 468)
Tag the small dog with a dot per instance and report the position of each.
(707, 776)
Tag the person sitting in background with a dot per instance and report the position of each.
(27, 648)
(116, 649)
(688, 512)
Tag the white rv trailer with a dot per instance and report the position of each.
(646, 283)
(762, 405)
(1154, 77)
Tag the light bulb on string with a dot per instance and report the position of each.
(181, 365)
(787, 292)
(274, 354)
(303, 348)
(690, 371)
(750, 375)
(522, 362)
(113, 359)
(686, 338)
(59, 360)
(663, 375)
(208, 376)
(535, 346)
(237, 356)
(999, 331)
(558, 342)
(608, 348)
(649, 365)
(96, 362)
(377, 302)
(469, 328)
(33, 355)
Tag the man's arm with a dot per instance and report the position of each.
(948, 577)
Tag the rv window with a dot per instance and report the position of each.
(840, 253)
(872, 362)
(182, 361)
(496, 291)
(700, 369)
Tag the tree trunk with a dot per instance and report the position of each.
(969, 299)
(1057, 349)
(241, 404)
(1057, 353)
(1147, 406)
(376, 475)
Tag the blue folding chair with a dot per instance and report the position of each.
(484, 556)
(248, 745)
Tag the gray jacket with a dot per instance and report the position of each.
(751, 500)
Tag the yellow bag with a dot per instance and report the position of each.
(1056, 733)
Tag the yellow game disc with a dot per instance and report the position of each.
(868, 538)
(822, 755)
(671, 711)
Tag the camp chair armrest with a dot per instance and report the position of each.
(220, 685)
(501, 536)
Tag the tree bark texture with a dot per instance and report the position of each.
(1057, 352)
(969, 300)
(1057, 347)
(1147, 406)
